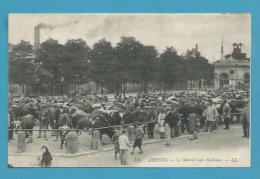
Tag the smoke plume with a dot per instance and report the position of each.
(43, 26)
(61, 25)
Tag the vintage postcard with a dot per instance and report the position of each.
(129, 90)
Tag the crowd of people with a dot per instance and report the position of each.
(172, 114)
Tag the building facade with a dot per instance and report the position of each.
(233, 70)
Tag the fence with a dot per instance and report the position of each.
(90, 130)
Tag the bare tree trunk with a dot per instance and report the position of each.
(102, 90)
(26, 90)
(51, 89)
(29, 91)
(145, 87)
(124, 87)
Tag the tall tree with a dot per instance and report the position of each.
(128, 53)
(75, 63)
(49, 56)
(147, 65)
(22, 69)
(169, 67)
(103, 65)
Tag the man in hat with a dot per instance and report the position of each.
(172, 118)
(184, 111)
(226, 113)
(64, 118)
(211, 116)
(246, 119)
(151, 124)
(103, 106)
(193, 119)
(11, 119)
(43, 120)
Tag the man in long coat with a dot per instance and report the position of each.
(43, 120)
(211, 116)
(226, 113)
(246, 119)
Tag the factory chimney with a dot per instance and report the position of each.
(222, 50)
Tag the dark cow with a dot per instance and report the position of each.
(26, 122)
(141, 116)
(23, 109)
(128, 117)
(100, 121)
(236, 107)
(82, 120)
(115, 118)
(105, 119)
(20, 110)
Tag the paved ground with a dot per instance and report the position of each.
(223, 148)
(54, 145)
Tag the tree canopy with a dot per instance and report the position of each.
(110, 67)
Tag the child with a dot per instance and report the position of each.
(115, 140)
(139, 134)
(64, 130)
(123, 146)
(45, 157)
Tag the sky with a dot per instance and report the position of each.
(181, 31)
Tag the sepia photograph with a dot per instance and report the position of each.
(129, 90)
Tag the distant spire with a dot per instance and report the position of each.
(222, 50)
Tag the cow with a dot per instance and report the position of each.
(236, 107)
(128, 117)
(100, 121)
(82, 120)
(26, 122)
(23, 109)
(105, 118)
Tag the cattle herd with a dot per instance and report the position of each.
(104, 113)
